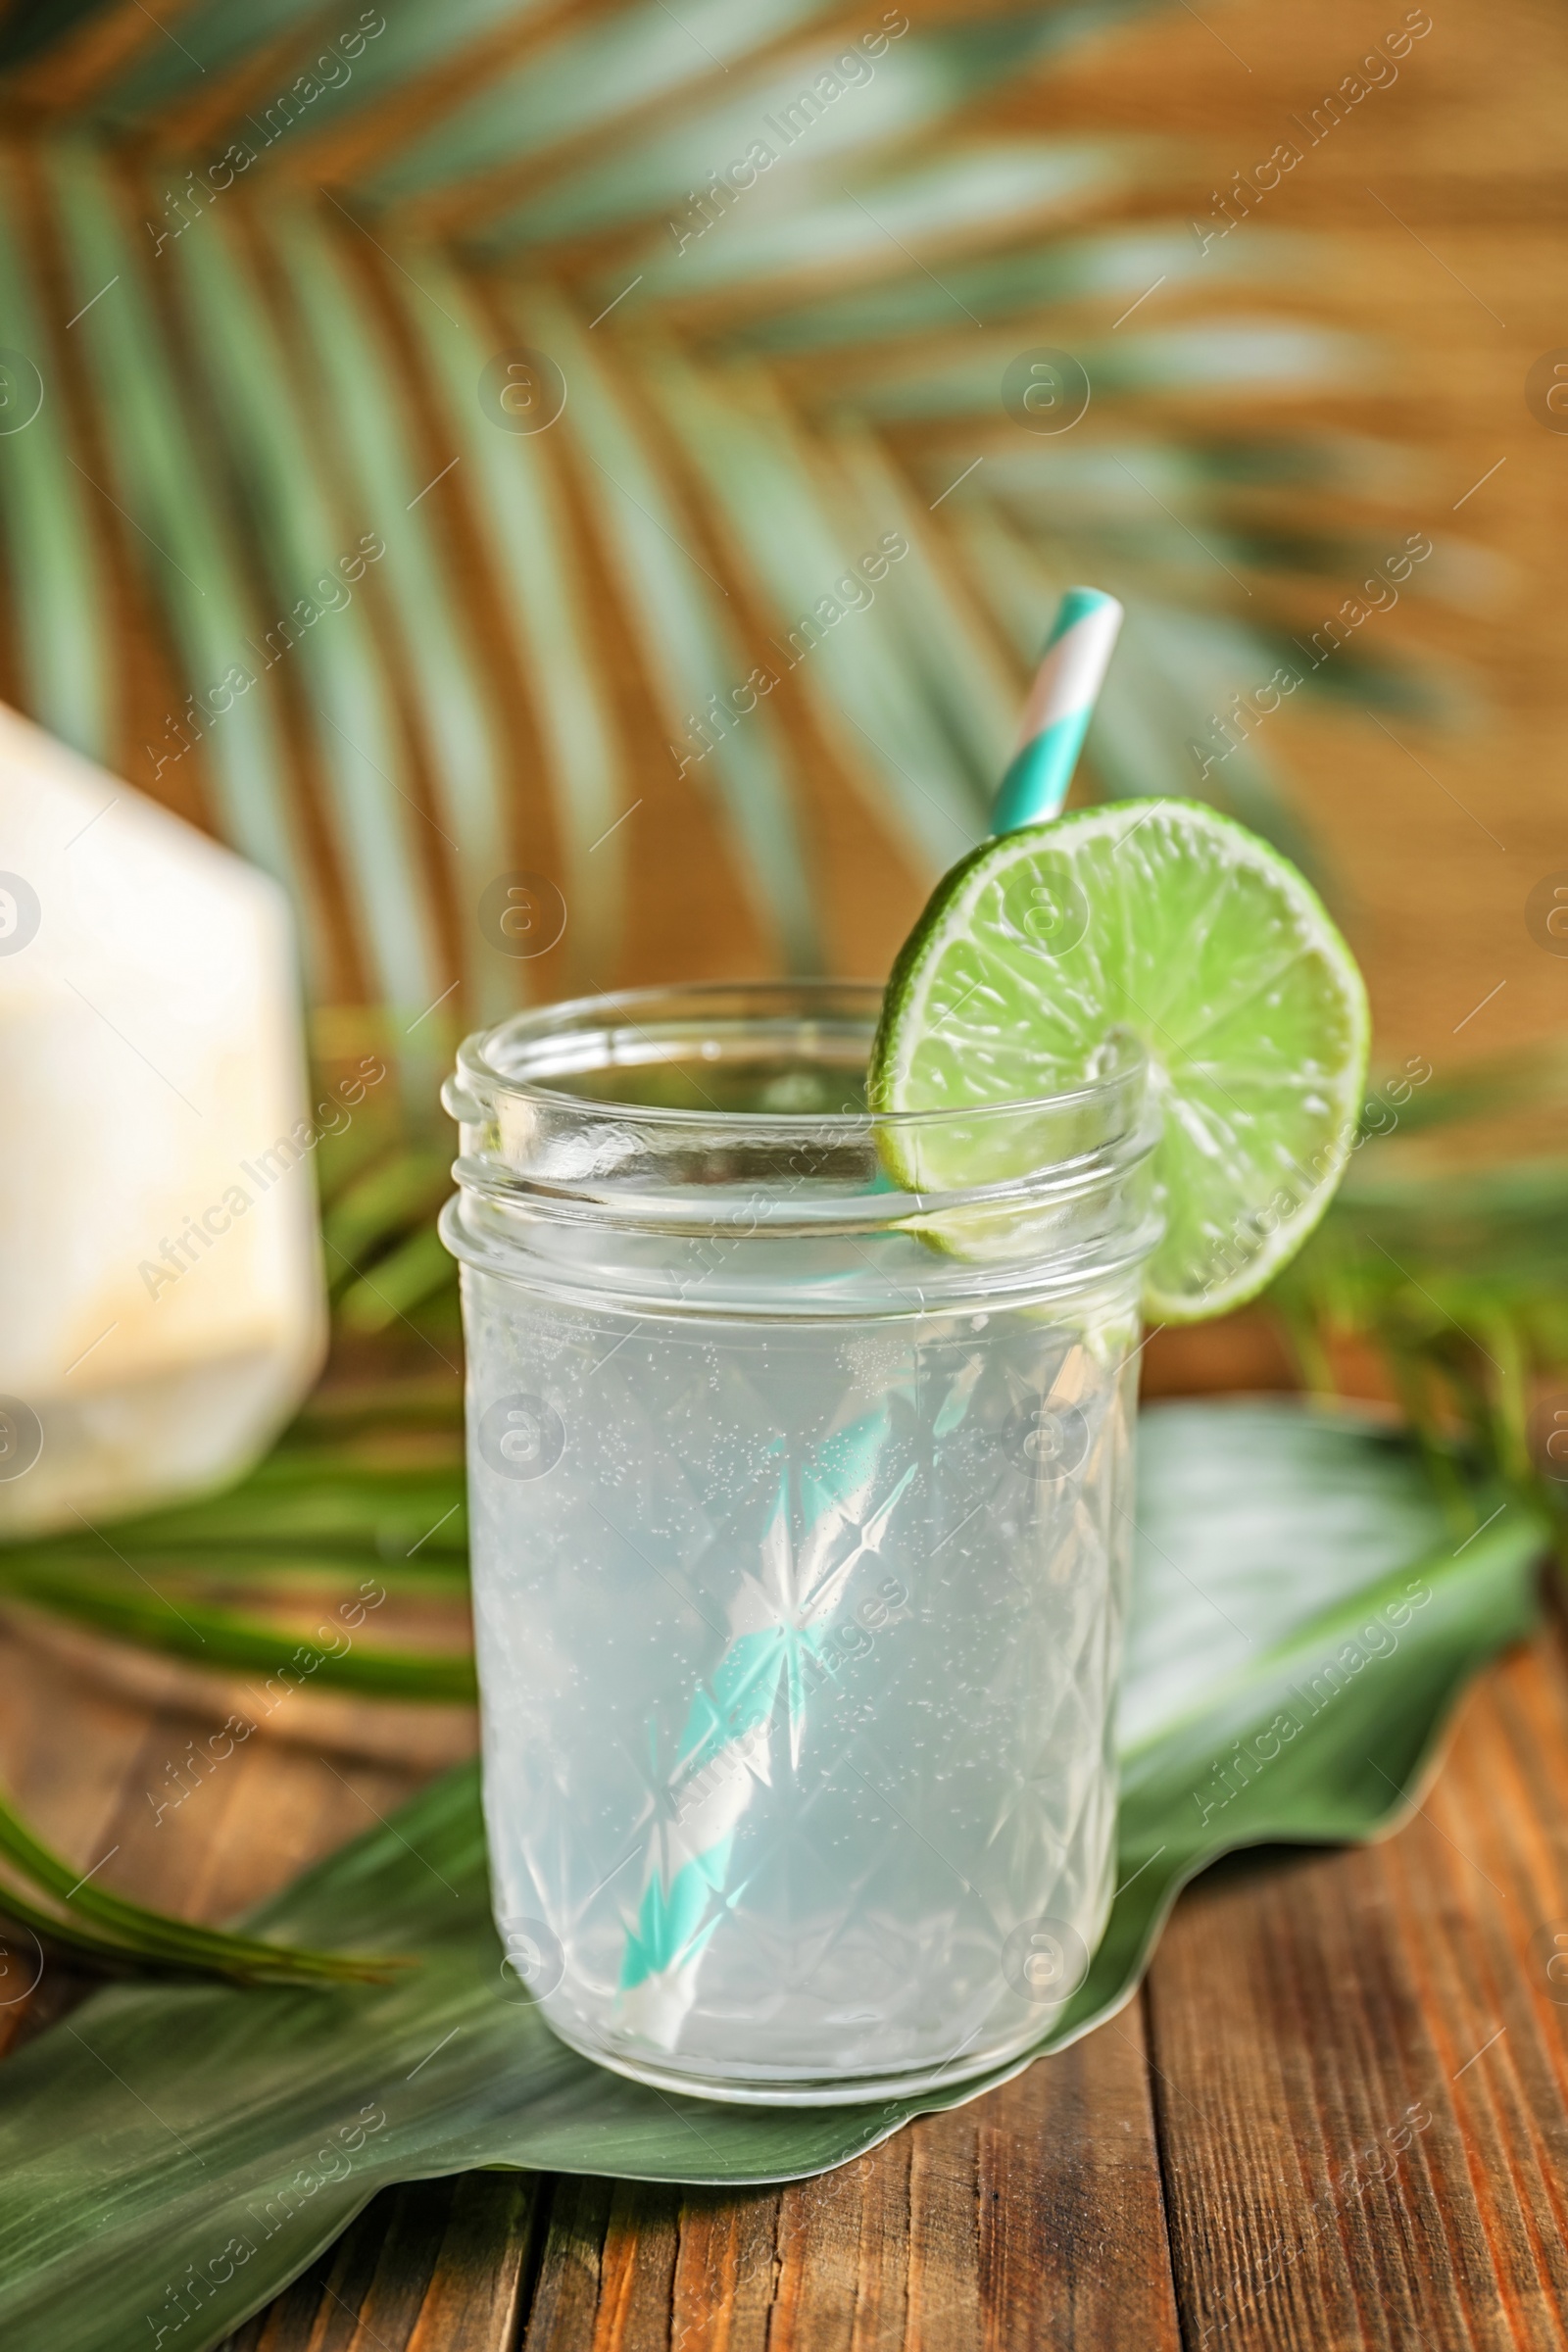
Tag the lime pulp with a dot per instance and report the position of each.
(1164, 918)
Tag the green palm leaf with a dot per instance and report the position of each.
(114, 1932)
(261, 267)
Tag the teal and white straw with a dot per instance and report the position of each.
(779, 1617)
(1056, 714)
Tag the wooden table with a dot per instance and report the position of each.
(1218, 2166)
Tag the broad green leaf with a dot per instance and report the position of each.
(1292, 1567)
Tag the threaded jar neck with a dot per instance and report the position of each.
(709, 1149)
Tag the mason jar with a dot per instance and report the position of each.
(801, 1508)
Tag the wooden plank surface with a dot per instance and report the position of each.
(1033, 2217)
(1337, 2117)
(1363, 2085)
(440, 2266)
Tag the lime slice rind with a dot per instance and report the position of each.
(1165, 918)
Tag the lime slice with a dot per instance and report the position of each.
(1166, 919)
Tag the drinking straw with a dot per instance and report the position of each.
(778, 1622)
(779, 1616)
(1057, 714)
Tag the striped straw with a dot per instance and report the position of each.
(1056, 717)
(779, 1618)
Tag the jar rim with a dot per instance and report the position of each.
(581, 1193)
(482, 1077)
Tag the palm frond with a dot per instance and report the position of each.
(278, 1578)
(1451, 1274)
(110, 1931)
(261, 271)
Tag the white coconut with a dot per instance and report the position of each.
(162, 1305)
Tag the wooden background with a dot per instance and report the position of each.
(1195, 2172)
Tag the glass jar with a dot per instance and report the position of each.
(799, 1529)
